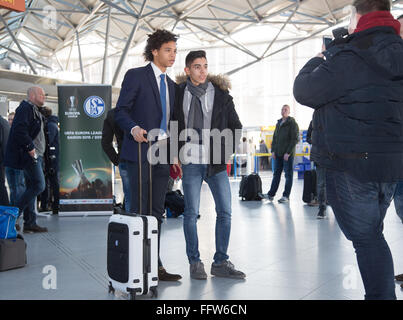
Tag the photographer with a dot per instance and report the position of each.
(357, 94)
(51, 159)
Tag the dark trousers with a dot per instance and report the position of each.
(321, 185)
(51, 191)
(280, 164)
(359, 209)
(160, 176)
(3, 191)
(35, 184)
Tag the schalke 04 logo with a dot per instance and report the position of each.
(94, 106)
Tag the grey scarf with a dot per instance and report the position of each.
(195, 118)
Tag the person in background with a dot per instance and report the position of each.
(15, 177)
(285, 138)
(320, 180)
(25, 150)
(264, 160)
(51, 192)
(4, 132)
(110, 131)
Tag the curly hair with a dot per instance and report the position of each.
(155, 41)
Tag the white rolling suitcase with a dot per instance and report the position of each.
(132, 257)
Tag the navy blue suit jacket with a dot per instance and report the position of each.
(139, 104)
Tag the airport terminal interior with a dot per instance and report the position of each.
(260, 46)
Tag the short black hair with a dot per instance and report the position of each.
(155, 41)
(193, 55)
(367, 6)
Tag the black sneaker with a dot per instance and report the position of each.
(226, 270)
(321, 214)
(35, 229)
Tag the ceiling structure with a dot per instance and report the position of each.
(44, 36)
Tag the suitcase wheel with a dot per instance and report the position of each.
(154, 292)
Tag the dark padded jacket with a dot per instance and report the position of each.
(224, 117)
(357, 94)
(26, 126)
(285, 137)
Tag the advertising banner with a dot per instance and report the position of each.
(14, 5)
(86, 177)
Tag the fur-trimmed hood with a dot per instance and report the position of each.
(220, 80)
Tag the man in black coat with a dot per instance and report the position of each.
(4, 132)
(357, 94)
(203, 106)
(25, 149)
(109, 131)
(51, 162)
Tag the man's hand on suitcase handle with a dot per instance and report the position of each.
(139, 134)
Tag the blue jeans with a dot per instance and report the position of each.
(193, 177)
(360, 209)
(398, 200)
(279, 164)
(126, 183)
(16, 182)
(35, 184)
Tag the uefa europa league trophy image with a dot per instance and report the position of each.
(78, 168)
(72, 101)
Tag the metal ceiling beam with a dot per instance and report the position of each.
(163, 8)
(42, 33)
(222, 39)
(58, 10)
(257, 15)
(106, 46)
(82, 22)
(275, 52)
(282, 28)
(32, 59)
(18, 45)
(79, 56)
(69, 4)
(113, 5)
(128, 44)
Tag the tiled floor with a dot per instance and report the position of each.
(284, 250)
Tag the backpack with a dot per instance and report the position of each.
(250, 188)
(175, 201)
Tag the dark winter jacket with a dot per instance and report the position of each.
(285, 137)
(4, 132)
(357, 94)
(26, 126)
(224, 117)
(53, 142)
(109, 130)
(309, 133)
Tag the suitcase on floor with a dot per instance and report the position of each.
(132, 250)
(13, 253)
(309, 193)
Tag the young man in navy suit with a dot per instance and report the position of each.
(146, 103)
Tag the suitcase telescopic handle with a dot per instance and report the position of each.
(150, 184)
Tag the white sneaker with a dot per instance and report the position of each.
(283, 200)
